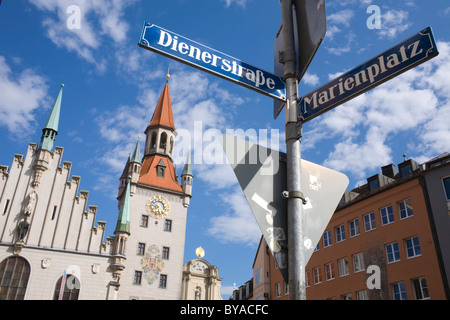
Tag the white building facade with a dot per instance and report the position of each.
(49, 234)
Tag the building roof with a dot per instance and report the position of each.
(53, 119)
(187, 171)
(136, 154)
(123, 222)
(163, 115)
(149, 174)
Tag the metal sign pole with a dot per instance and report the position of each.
(296, 250)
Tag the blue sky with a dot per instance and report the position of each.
(112, 87)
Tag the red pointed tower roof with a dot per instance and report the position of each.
(153, 163)
(163, 116)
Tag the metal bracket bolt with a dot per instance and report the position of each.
(294, 194)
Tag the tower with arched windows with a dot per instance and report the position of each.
(151, 256)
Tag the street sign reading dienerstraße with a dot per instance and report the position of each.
(212, 61)
(393, 62)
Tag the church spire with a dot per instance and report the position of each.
(137, 153)
(123, 222)
(50, 129)
(163, 115)
(186, 180)
(187, 171)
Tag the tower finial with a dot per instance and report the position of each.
(168, 74)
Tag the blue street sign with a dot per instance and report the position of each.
(212, 61)
(393, 62)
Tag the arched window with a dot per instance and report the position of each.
(71, 288)
(198, 293)
(163, 142)
(171, 145)
(153, 141)
(14, 274)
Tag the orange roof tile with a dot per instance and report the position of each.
(163, 115)
(149, 175)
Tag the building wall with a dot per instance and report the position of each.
(278, 288)
(261, 272)
(62, 234)
(200, 276)
(154, 236)
(47, 267)
(440, 207)
(373, 245)
(60, 216)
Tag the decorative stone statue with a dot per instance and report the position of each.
(30, 204)
(23, 229)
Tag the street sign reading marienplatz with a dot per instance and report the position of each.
(393, 62)
(212, 61)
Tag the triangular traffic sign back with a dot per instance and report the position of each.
(261, 172)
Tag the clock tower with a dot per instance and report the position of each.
(154, 250)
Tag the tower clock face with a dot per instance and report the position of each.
(157, 207)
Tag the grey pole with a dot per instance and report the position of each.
(296, 250)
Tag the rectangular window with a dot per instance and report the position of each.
(137, 277)
(278, 289)
(369, 221)
(165, 253)
(317, 278)
(446, 183)
(362, 295)
(405, 208)
(347, 296)
(329, 271)
(340, 233)
(406, 171)
(144, 221)
(286, 288)
(392, 252)
(358, 262)
(168, 225)
(387, 216)
(6, 207)
(141, 249)
(163, 281)
(54, 212)
(327, 239)
(343, 267)
(307, 278)
(257, 276)
(399, 291)
(354, 228)
(317, 247)
(412, 247)
(420, 289)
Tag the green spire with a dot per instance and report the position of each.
(50, 129)
(187, 171)
(137, 153)
(123, 222)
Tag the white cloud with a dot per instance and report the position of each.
(22, 93)
(367, 129)
(311, 79)
(237, 224)
(241, 3)
(100, 21)
(342, 17)
(394, 22)
(343, 49)
(121, 124)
